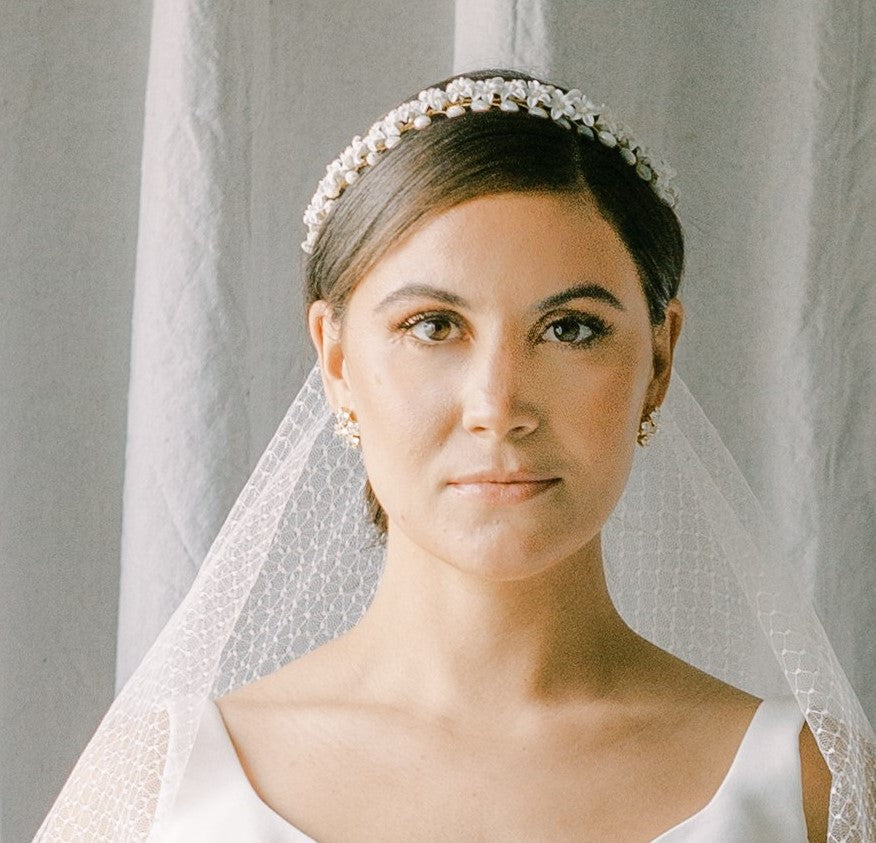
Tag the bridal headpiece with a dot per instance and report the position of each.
(570, 109)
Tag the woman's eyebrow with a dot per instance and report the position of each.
(578, 291)
(420, 291)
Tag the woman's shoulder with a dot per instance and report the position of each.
(300, 704)
(708, 706)
(319, 675)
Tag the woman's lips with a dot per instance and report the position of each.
(503, 492)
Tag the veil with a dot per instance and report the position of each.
(690, 563)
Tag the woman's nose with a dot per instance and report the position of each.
(495, 396)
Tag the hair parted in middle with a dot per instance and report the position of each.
(478, 154)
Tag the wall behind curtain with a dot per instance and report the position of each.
(72, 76)
(766, 112)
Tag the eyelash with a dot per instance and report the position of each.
(598, 327)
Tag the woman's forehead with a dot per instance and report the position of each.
(521, 247)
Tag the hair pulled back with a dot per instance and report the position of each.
(477, 154)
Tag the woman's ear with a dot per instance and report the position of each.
(665, 336)
(325, 331)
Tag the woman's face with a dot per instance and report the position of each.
(506, 337)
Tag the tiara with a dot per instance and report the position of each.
(571, 109)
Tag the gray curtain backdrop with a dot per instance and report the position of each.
(182, 318)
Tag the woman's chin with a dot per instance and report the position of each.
(503, 549)
(496, 571)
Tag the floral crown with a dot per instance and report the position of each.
(570, 109)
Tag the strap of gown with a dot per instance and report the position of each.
(761, 796)
(766, 772)
(216, 801)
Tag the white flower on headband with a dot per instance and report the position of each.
(434, 99)
(571, 109)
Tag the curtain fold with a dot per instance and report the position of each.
(502, 34)
(836, 332)
(188, 433)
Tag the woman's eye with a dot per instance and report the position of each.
(571, 330)
(430, 328)
(433, 328)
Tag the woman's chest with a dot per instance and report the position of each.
(394, 783)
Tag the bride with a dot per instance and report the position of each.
(493, 637)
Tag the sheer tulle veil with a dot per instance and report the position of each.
(690, 561)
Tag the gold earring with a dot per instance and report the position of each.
(346, 427)
(648, 427)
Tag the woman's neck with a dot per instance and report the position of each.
(444, 639)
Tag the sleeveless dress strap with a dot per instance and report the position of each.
(761, 797)
(770, 757)
(216, 801)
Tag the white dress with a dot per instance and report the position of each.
(760, 798)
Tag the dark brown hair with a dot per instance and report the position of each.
(481, 153)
